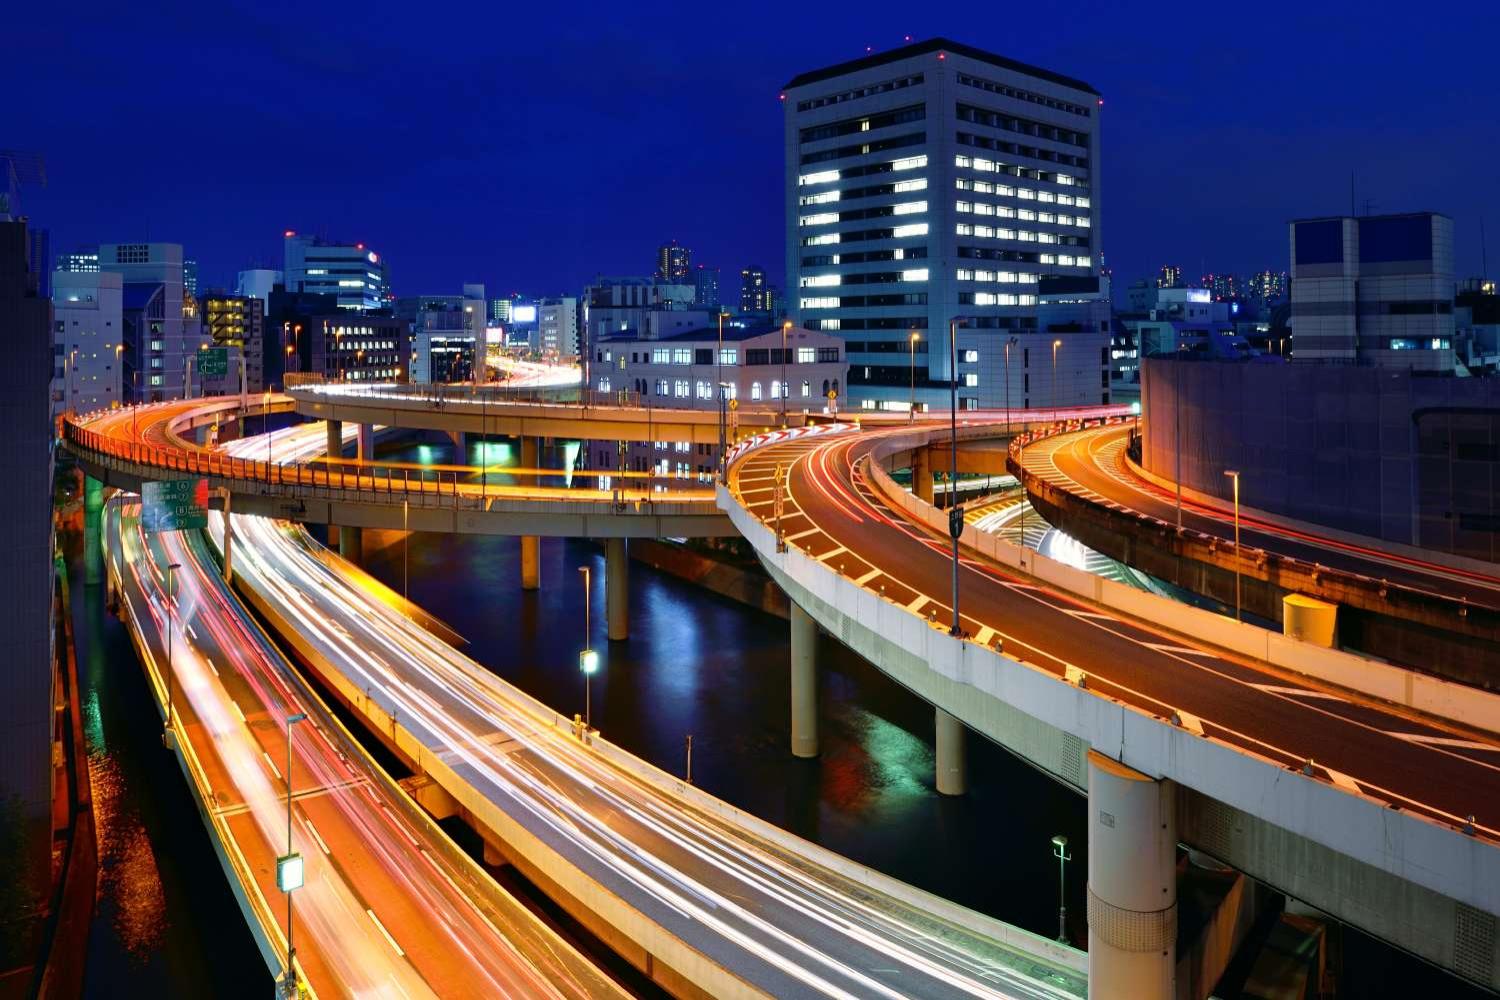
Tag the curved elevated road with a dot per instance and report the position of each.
(833, 514)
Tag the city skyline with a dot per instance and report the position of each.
(487, 205)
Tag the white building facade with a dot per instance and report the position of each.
(557, 327)
(932, 183)
(88, 341)
(163, 326)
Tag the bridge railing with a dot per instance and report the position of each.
(356, 481)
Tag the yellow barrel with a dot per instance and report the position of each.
(1309, 619)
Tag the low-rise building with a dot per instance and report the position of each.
(87, 341)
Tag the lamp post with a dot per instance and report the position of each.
(1055, 345)
(955, 512)
(1060, 852)
(1177, 426)
(786, 328)
(588, 660)
(265, 416)
(1234, 475)
(912, 405)
(1008, 345)
(172, 569)
(289, 867)
(723, 422)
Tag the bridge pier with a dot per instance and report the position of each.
(952, 767)
(1132, 887)
(531, 545)
(93, 520)
(351, 542)
(365, 443)
(617, 588)
(804, 683)
(921, 474)
(335, 446)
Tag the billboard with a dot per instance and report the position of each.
(522, 314)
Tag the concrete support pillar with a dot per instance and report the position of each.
(335, 446)
(804, 683)
(93, 522)
(531, 545)
(351, 543)
(365, 442)
(952, 767)
(921, 474)
(617, 587)
(1132, 886)
(228, 541)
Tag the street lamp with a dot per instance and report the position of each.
(588, 660)
(172, 568)
(1008, 345)
(1234, 475)
(289, 867)
(955, 512)
(1060, 852)
(1055, 345)
(1177, 425)
(723, 421)
(786, 328)
(912, 410)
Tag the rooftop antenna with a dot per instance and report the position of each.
(1369, 204)
(1352, 211)
(1484, 253)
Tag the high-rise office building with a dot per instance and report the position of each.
(352, 272)
(674, 264)
(1268, 286)
(162, 325)
(88, 329)
(706, 287)
(755, 292)
(933, 183)
(39, 260)
(1374, 288)
(499, 311)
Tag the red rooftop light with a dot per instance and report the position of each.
(289, 233)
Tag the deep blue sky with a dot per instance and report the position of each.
(531, 146)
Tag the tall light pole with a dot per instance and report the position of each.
(1234, 475)
(1055, 345)
(1177, 426)
(723, 423)
(289, 866)
(1008, 345)
(786, 327)
(912, 406)
(1060, 852)
(588, 660)
(955, 511)
(172, 569)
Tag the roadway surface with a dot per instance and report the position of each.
(1091, 463)
(777, 920)
(381, 912)
(832, 513)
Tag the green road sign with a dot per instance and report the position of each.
(175, 504)
(213, 362)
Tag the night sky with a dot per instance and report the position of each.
(532, 146)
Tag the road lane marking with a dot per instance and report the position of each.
(1165, 647)
(1297, 692)
(315, 835)
(917, 602)
(1342, 780)
(803, 534)
(867, 577)
(271, 764)
(831, 553)
(1446, 741)
(1188, 721)
(394, 946)
(985, 635)
(1080, 613)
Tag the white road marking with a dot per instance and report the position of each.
(985, 635)
(917, 602)
(1190, 722)
(1297, 692)
(1342, 780)
(803, 534)
(866, 578)
(396, 947)
(315, 835)
(1446, 741)
(831, 553)
(271, 764)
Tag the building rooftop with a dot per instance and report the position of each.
(934, 45)
(731, 334)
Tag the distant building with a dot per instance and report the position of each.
(674, 264)
(345, 348)
(78, 262)
(88, 327)
(190, 277)
(1223, 287)
(499, 312)
(162, 324)
(682, 370)
(258, 281)
(1476, 321)
(39, 260)
(1377, 289)
(615, 305)
(933, 183)
(354, 274)
(706, 287)
(754, 290)
(1169, 276)
(448, 338)
(557, 327)
(1267, 288)
(239, 321)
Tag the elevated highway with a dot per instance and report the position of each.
(389, 905)
(1384, 817)
(1427, 611)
